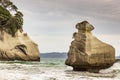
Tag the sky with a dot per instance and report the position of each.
(51, 23)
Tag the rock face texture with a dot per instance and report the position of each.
(87, 52)
(19, 47)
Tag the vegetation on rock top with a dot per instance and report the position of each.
(8, 22)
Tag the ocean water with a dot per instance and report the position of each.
(52, 69)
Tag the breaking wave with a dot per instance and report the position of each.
(52, 69)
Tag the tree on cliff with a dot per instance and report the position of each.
(8, 22)
(8, 5)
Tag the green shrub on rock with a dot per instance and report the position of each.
(8, 22)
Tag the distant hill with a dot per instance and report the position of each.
(117, 57)
(53, 55)
(58, 55)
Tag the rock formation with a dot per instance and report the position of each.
(20, 47)
(14, 43)
(87, 52)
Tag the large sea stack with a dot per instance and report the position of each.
(14, 43)
(87, 53)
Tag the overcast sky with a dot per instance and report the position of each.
(51, 23)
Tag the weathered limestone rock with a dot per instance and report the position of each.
(19, 47)
(14, 43)
(87, 52)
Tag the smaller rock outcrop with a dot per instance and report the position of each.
(87, 52)
(14, 43)
(19, 47)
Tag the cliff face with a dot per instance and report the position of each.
(14, 43)
(87, 52)
(20, 47)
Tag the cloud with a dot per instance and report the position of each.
(101, 8)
